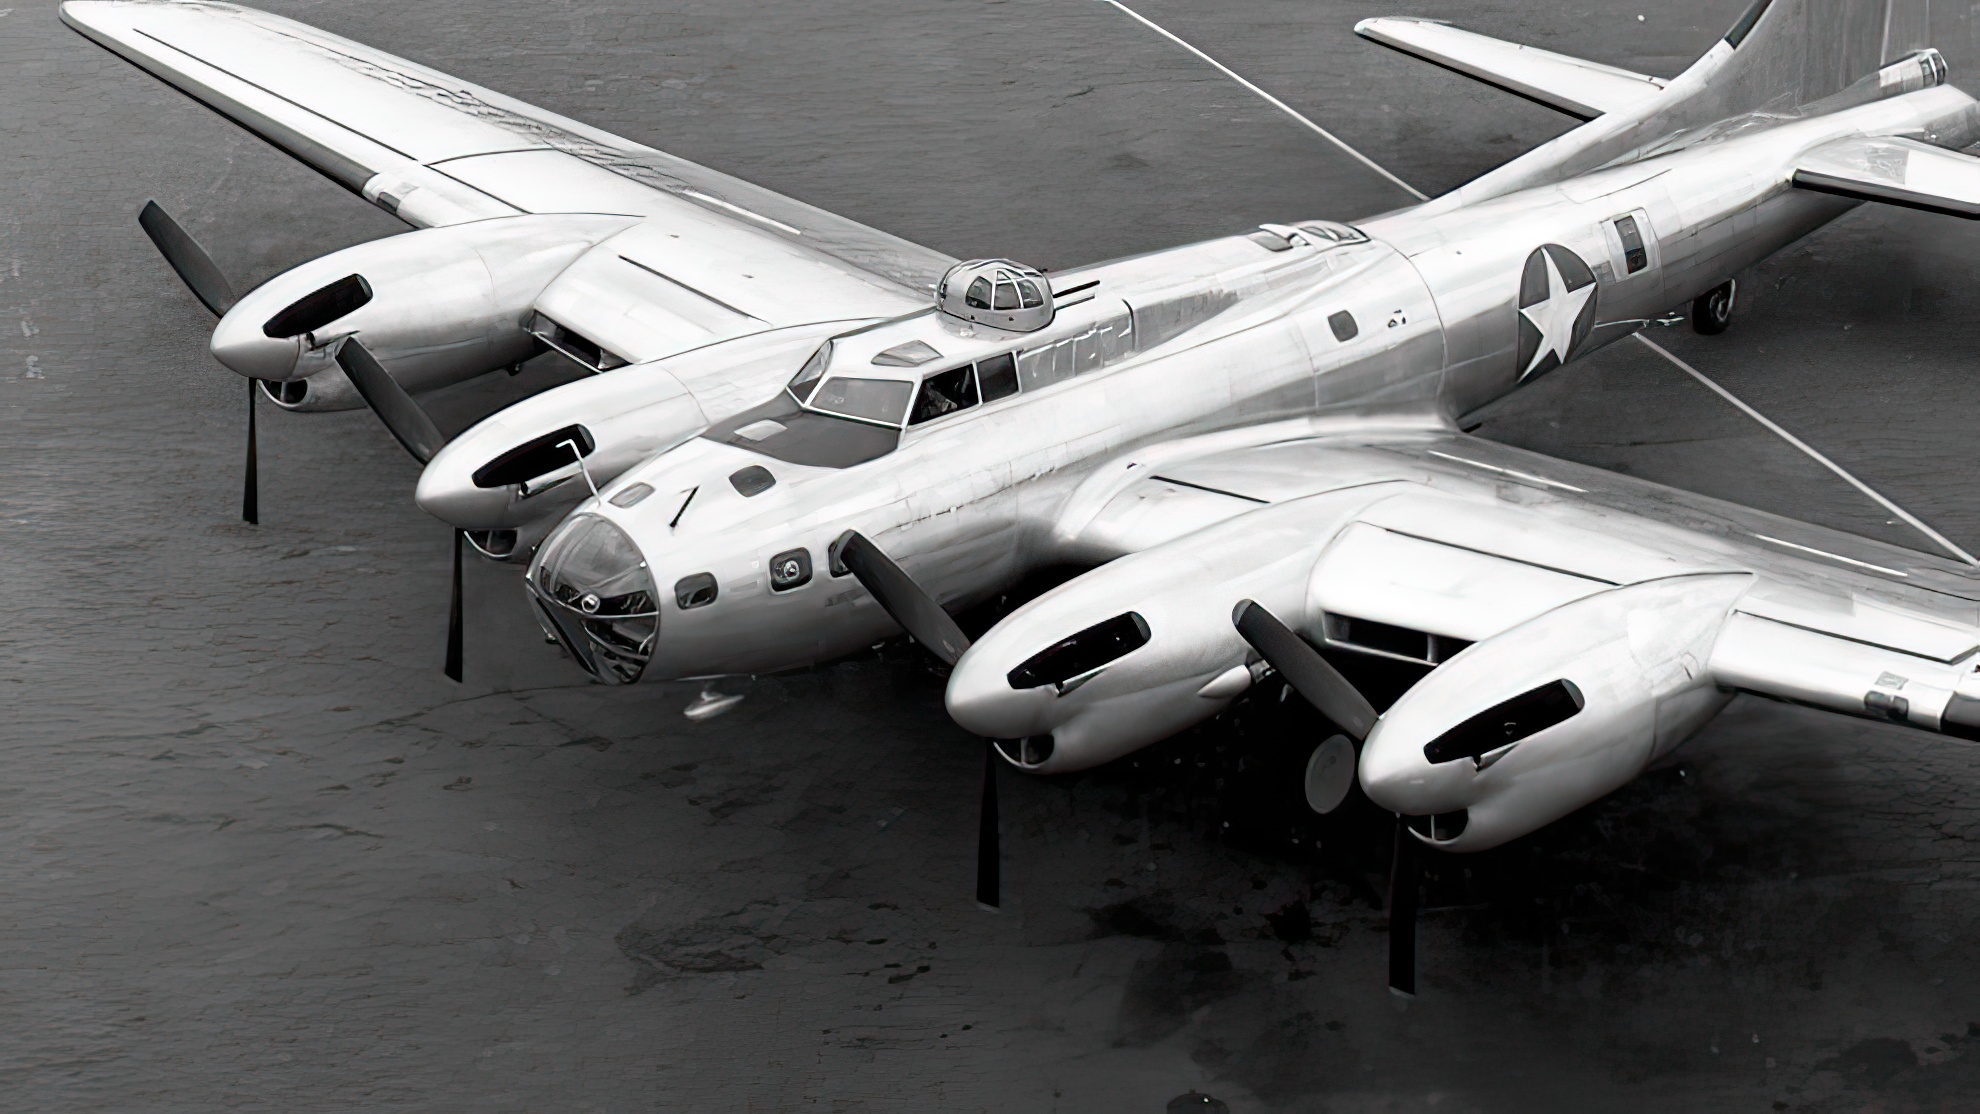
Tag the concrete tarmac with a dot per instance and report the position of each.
(259, 854)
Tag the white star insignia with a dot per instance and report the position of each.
(1555, 316)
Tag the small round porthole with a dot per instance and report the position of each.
(790, 569)
(694, 591)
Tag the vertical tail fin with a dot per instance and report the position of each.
(1785, 54)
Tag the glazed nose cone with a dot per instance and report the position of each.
(239, 343)
(447, 491)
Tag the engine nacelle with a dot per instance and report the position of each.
(436, 306)
(1523, 728)
(515, 469)
(1143, 647)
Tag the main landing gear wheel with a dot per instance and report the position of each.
(1330, 774)
(1712, 311)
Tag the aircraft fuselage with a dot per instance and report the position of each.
(692, 565)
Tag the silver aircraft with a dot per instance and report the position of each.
(1562, 627)
(760, 487)
(969, 442)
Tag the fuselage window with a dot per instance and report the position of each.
(1634, 257)
(978, 294)
(997, 377)
(874, 400)
(944, 393)
(1344, 327)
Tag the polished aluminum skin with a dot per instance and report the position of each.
(1411, 318)
(1268, 416)
(1496, 572)
(532, 231)
(1568, 626)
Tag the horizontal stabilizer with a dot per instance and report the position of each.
(1896, 172)
(1579, 88)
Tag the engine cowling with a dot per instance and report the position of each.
(514, 469)
(436, 306)
(1525, 727)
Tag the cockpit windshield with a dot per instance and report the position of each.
(812, 371)
(873, 400)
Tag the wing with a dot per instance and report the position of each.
(1895, 171)
(1424, 543)
(435, 150)
(1579, 88)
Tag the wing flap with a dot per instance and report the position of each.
(1894, 171)
(1580, 88)
(1372, 573)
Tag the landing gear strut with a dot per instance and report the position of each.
(1712, 311)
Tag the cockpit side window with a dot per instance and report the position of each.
(997, 377)
(978, 294)
(812, 371)
(944, 393)
(873, 400)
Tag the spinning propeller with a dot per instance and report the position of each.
(209, 284)
(917, 612)
(1335, 697)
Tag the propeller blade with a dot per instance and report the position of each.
(1305, 670)
(196, 268)
(390, 401)
(989, 840)
(1404, 874)
(454, 617)
(918, 614)
(251, 485)
(318, 308)
(909, 605)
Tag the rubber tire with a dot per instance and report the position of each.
(1712, 311)
(1330, 774)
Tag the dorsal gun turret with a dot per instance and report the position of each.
(998, 293)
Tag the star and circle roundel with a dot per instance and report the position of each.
(1556, 308)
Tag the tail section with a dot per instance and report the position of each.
(1782, 58)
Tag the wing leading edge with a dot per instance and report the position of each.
(1894, 171)
(1458, 540)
